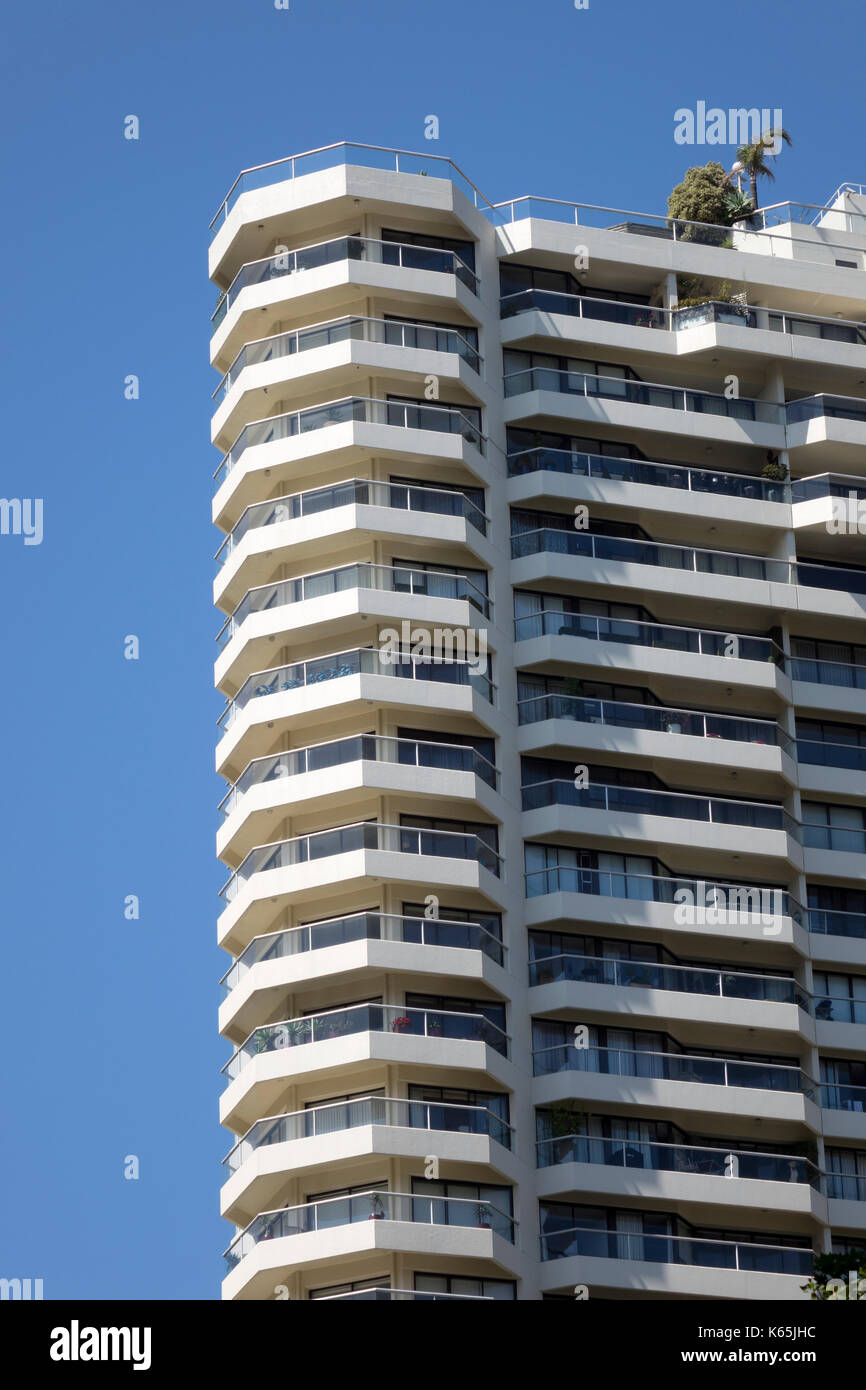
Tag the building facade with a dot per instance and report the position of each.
(544, 661)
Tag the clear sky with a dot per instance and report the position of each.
(109, 1025)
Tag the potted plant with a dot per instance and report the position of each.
(401, 1024)
(774, 472)
(484, 1215)
(377, 1208)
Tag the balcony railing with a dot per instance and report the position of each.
(650, 473)
(814, 576)
(819, 754)
(367, 1206)
(345, 152)
(846, 1187)
(441, 419)
(678, 1250)
(551, 540)
(836, 1096)
(839, 673)
(364, 926)
(346, 248)
(351, 328)
(388, 1295)
(835, 837)
(374, 748)
(583, 307)
(643, 393)
(640, 974)
(364, 661)
(822, 485)
(339, 1116)
(366, 835)
(671, 1066)
(623, 715)
(828, 922)
(553, 622)
(395, 579)
(731, 902)
(826, 407)
(836, 1008)
(365, 1018)
(355, 492)
(714, 810)
(677, 1158)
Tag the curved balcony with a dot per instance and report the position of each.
(591, 386)
(677, 1250)
(630, 1154)
(337, 249)
(364, 926)
(639, 974)
(365, 1018)
(320, 1216)
(365, 1111)
(672, 1066)
(400, 415)
(704, 481)
(355, 328)
(279, 599)
(654, 718)
(355, 492)
(401, 840)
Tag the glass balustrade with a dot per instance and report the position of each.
(367, 1206)
(440, 419)
(836, 1096)
(364, 926)
(323, 1120)
(450, 757)
(365, 1018)
(827, 408)
(356, 492)
(648, 472)
(368, 661)
(557, 623)
(391, 332)
(349, 839)
(817, 672)
(620, 714)
(643, 393)
(819, 754)
(835, 837)
(830, 923)
(739, 902)
(645, 801)
(639, 974)
(671, 1066)
(363, 575)
(681, 1250)
(677, 1158)
(548, 539)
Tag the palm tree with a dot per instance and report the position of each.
(753, 159)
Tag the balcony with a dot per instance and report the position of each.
(364, 926)
(672, 1066)
(386, 1295)
(362, 575)
(835, 837)
(365, 1111)
(644, 801)
(361, 661)
(730, 904)
(655, 1157)
(367, 835)
(347, 248)
(678, 1250)
(816, 753)
(351, 329)
(589, 386)
(836, 1096)
(827, 408)
(648, 473)
(547, 539)
(356, 492)
(401, 415)
(655, 718)
(374, 748)
(831, 923)
(639, 974)
(365, 1018)
(368, 1206)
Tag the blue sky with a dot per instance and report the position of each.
(108, 1025)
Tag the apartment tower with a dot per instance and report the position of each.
(542, 585)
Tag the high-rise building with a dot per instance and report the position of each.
(545, 666)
